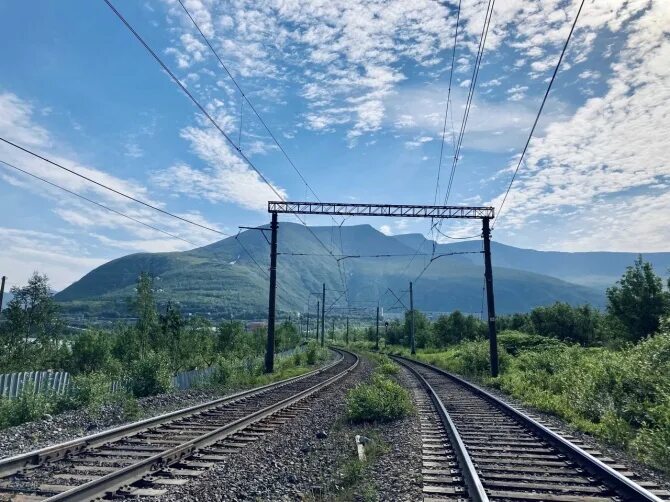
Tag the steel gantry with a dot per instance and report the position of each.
(486, 214)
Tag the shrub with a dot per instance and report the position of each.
(381, 400)
(25, 408)
(311, 353)
(150, 375)
(388, 368)
(222, 373)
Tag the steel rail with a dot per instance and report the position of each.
(476, 491)
(617, 481)
(14, 464)
(124, 476)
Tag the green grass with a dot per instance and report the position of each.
(380, 400)
(620, 396)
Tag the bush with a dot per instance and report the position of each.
(388, 368)
(381, 400)
(150, 375)
(222, 373)
(311, 353)
(25, 408)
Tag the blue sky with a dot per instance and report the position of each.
(355, 92)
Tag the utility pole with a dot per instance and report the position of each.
(332, 333)
(323, 314)
(488, 275)
(377, 335)
(318, 306)
(2, 292)
(411, 325)
(346, 336)
(307, 336)
(270, 348)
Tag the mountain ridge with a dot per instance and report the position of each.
(221, 279)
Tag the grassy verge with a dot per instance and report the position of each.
(147, 377)
(620, 396)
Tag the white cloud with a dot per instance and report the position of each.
(609, 157)
(62, 259)
(53, 254)
(226, 177)
(492, 126)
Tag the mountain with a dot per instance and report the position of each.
(222, 279)
(598, 269)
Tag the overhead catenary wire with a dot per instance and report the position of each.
(265, 126)
(471, 90)
(106, 187)
(246, 99)
(446, 111)
(244, 157)
(539, 112)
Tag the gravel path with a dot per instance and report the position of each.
(309, 457)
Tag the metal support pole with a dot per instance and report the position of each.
(323, 314)
(412, 343)
(488, 275)
(377, 335)
(270, 348)
(307, 335)
(346, 336)
(318, 312)
(332, 333)
(2, 292)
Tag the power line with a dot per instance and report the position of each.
(471, 91)
(223, 65)
(539, 112)
(246, 159)
(98, 204)
(128, 216)
(262, 121)
(446, 111)
(129, 197)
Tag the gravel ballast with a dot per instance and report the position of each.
(565, 429)
(307, 458)
(74, 424)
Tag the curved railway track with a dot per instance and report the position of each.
(146, 457)
(489, 450)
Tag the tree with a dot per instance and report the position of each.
(171, 324)
(638, 300)
(145, 309)
(423, 335)
(34, 328)
(228, 335)
(90, 352)
(453, 328)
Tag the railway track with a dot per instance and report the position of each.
(489, 450)
(146, 457)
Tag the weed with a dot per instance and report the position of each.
(381, 400)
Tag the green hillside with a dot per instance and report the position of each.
(221, 279)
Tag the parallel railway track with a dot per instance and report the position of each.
(146, 457)
(496, 452)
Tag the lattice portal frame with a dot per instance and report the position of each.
(398, 210)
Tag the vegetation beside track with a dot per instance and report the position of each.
(381, 398)
(605, 373)
(142, 357)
